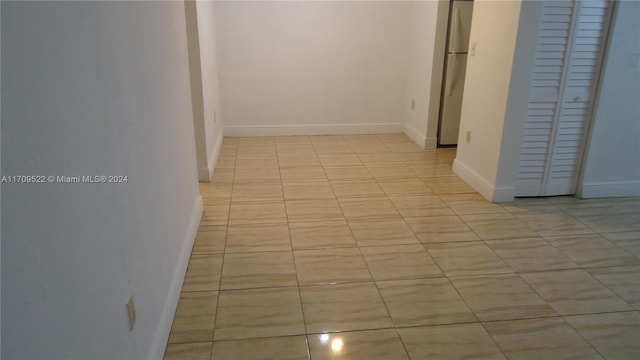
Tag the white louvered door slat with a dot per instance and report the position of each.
(564, 79)
(551, 50)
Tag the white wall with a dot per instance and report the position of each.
(613, 158)
(425, 69)
(313, 67)
(204, 85)
(91, 89)
(518, 102)
(495, 103)
(486, 95)
(210, 84)
(0, 190)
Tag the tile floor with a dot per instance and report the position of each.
(366, 247)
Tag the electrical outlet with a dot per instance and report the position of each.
(131, 309)
(413, 104)
(472, 51)
(468, 137)
(214, 117)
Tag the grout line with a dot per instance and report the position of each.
(215, 321)
(295, 266)
(494, 341)
(404, 160)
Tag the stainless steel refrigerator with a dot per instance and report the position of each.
(455, 68)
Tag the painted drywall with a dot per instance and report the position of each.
(424, 71)
(204, 85)
(612, 165)
(95, 88)
(437, 76)
(0, 186)
(486, 94)
(197, 96)
(213, 119)
(518, 102)
(313, 67)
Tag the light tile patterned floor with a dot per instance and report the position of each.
(366, 247)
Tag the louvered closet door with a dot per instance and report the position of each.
(569, 53)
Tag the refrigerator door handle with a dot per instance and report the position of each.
(451, 78)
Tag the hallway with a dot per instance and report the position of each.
(367, 247)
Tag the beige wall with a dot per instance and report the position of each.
(313, 67)
(205, 92)
(425, 69)
(486, 95)
(95, 88)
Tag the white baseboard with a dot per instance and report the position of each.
(503, 194)
(205, 174)
(213, 160)
(431, 143)
(481, 185)
(610, 189)
(328, 129)
(415, 135)
(163, 328)
(422, 141)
